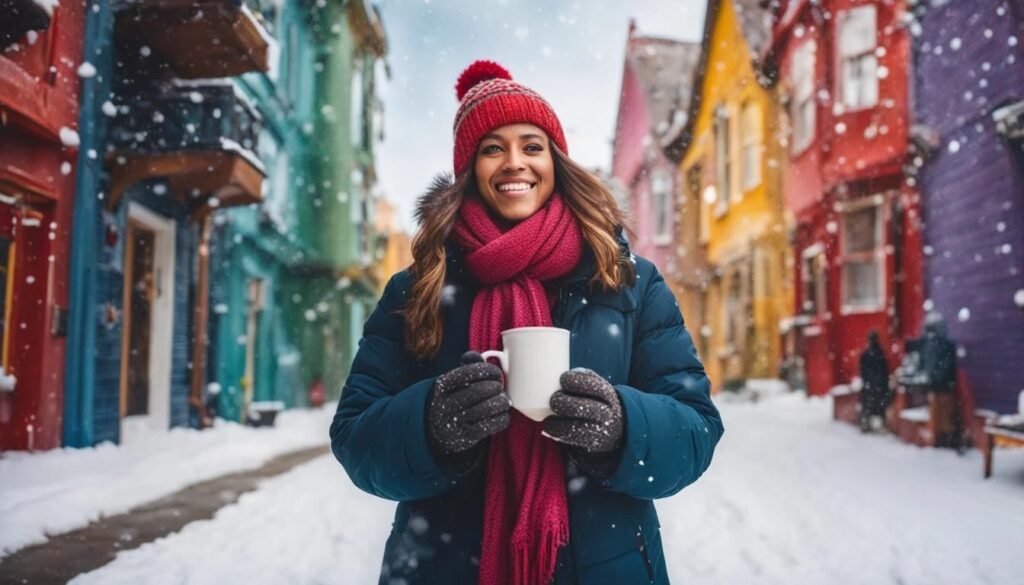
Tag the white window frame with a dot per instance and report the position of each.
(661, 206)
(722, 131)
(750, 147)
(857, 40)
(803, 108)
(875, 255)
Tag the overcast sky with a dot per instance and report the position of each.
(569, 51)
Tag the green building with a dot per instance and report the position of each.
(291, 277)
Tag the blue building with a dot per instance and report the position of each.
(167, 143)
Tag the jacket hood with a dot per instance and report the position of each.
(438, 193)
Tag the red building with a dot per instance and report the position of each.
(842, 67)
(40, 64)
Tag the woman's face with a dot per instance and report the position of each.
(515, 172)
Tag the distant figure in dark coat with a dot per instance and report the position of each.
(874, 371)
(938, 360)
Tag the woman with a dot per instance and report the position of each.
(523, 237)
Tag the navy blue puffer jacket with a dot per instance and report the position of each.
(635, 338)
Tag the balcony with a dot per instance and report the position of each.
(200, 136)
(200, 39)
(21, 16)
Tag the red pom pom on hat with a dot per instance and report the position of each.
(477, 72)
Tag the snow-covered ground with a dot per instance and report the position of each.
(792, 497)
(60, 490)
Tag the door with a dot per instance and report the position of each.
(147, 323)
(252, 331)
(140, 293)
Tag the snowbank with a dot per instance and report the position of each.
(56, 491)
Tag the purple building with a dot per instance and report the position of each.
(968, 100)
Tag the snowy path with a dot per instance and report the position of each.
(58, 491)
(791, 498)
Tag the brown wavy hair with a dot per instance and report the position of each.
(590, 201)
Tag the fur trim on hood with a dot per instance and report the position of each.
(437, 194)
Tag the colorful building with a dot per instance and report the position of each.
(657, 76)
(843, 80)
(167, 142)
(288, 273)
(40, 72)
(968, 88)
(394, 246)
(733, 199)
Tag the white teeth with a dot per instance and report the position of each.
(514, 187)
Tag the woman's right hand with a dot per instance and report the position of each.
(467, 405)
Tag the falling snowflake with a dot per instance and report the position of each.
(86, 70)
(69, 137)
(109, 108)
(448, 295)
(954, 146)
(1018, 298)
(576, 485)
(614, 330)
(964, 314)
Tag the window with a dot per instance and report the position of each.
(275, 188)
(813, 280)
(802, 106)
(862, 258)
(733, 310)
(358, 105)
(693, 205)
(723, 168)
(750, 155)
(294, 64)
(858, 69)
(661, 203)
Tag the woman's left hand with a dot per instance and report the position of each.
(587, 413)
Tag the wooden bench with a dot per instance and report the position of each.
(1004, 431)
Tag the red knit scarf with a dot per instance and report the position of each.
(526, 514)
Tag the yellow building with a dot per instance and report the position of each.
(737, 291)
(393, 250)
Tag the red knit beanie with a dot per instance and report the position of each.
(490, 99)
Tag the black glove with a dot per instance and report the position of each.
(466, 405)
(587, 413)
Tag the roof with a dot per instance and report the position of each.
(664, 68)
(755, 21)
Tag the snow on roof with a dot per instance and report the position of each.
(755, 22)
(47, 5)
(664, 68)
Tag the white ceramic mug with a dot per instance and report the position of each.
(533, 360)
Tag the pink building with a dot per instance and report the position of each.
(657, 78)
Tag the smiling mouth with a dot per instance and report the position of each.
(515, 188)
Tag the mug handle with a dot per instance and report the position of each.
(501, 355)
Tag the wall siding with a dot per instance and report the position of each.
(972, 189)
